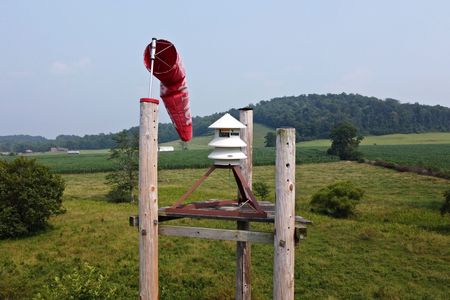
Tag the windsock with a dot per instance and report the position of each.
(169, 69)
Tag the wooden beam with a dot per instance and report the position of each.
(163, 217)
(217, 234)
(148, 201)
(283, 270)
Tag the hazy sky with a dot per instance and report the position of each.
(75, 67)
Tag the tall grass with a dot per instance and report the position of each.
(395, 247)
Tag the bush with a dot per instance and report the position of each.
(84, 283)
(445, 209)
(337, 200)
(261, 189)
(118, 195)
(29, 195)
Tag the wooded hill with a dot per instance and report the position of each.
(312, 115)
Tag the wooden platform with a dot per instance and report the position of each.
(267, 206)
(224, 234)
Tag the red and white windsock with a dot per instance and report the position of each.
(168, 68)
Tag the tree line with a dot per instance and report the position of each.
(314, 115)
(311, 115)
(21, 143)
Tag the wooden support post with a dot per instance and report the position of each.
(148, 200)
(243, 249)
(246, 118)
(283, 270)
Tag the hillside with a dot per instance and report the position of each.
(312, 115)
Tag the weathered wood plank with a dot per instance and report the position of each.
(163, 217)
(217, 234)
(217, 217)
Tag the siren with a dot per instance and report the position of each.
(227, 141)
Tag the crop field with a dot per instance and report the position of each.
(395, 247)
(435, 157)
(99, 162)
(427, 150)
(261, 157)
(93, 161)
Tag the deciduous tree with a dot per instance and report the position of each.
(270, 139)
(345, 141)
(125, 178)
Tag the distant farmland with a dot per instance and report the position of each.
(426, 150)
(434, 157)
(99, 162)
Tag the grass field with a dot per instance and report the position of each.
(396, 247)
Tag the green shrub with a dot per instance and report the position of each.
(337, 200)
(445, 209)
(85, 283)
(118, 195)
(261, 189)
(29, 195)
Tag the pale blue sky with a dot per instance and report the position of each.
(75, 67)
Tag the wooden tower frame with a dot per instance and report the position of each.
(288, 228)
